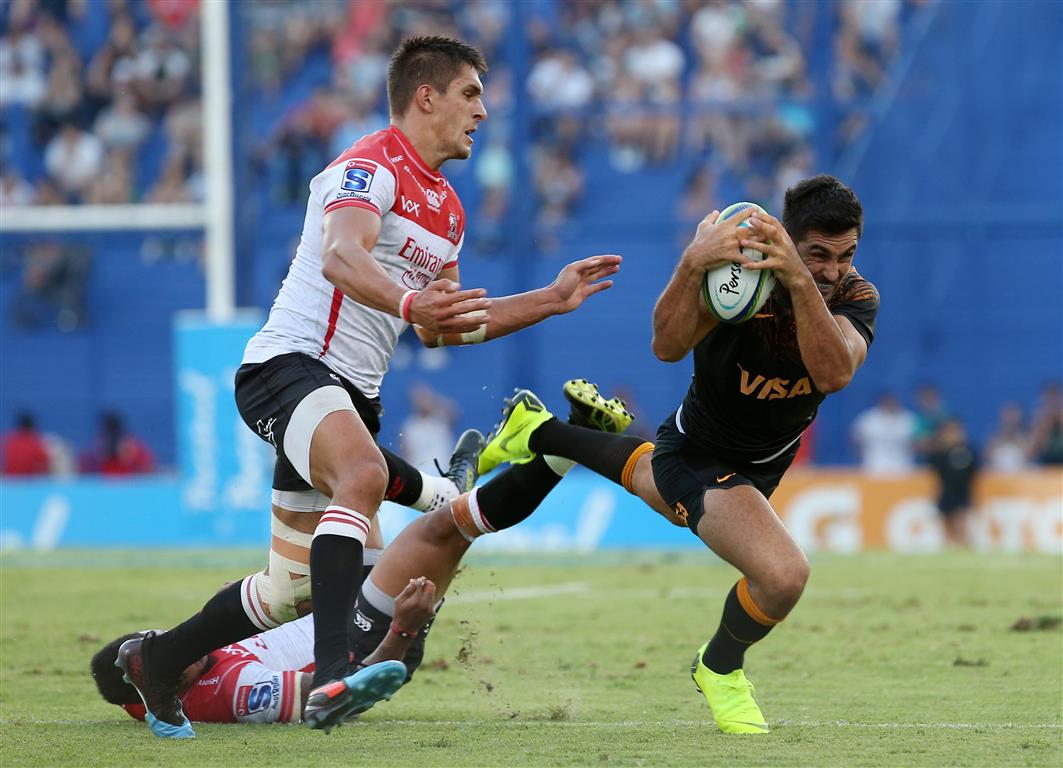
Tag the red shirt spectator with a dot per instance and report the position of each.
(116, 452)
(24, 450)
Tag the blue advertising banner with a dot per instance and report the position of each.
(582, 514)
(225, 469)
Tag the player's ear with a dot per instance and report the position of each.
(423, 96)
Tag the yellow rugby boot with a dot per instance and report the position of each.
(730, 698)
(589, 409)
(522, 414)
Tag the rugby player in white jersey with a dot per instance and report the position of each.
(379, 250)
(266, 678)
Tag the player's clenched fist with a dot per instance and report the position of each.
(442, 307)
(714, 244)
(415, 605)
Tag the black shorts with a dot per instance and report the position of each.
(683, 471)
(954, 502)
(371, 626)
(267, 394)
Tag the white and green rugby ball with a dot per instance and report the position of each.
(734, 294)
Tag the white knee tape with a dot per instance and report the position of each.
(251, 599)
(300, 501)
(276, 592)
(279, 594)
(305, 418)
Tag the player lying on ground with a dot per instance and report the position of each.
(756, 387)
(281, 591)
(264, 678)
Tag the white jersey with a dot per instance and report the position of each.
(422, 227)
(254, 681)
(289, 646)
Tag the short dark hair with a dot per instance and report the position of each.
(108, 677)
(431, 59)
(821, 204)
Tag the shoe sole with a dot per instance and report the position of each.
(470, 436)
(582, 393)
(160, 728)
(366, 687)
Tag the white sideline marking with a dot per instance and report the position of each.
(582, 589)
(519, 593)
(632, 724)
(704, 723)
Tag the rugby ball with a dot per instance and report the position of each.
(732, 293)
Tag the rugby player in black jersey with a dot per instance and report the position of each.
(756, 388)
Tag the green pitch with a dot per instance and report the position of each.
(888, 660)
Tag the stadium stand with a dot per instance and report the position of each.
(611, 136)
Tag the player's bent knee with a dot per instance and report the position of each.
(784, 586)
(361, 483)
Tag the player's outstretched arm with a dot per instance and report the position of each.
(414, 607)
(348, 237)
(574, 284)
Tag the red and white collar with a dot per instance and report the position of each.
(412, 153)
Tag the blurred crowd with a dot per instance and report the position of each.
(731, 94)
(719, 90)
(100, 102)
(26, 451)
(891, 439)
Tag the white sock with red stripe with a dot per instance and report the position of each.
(340, 521)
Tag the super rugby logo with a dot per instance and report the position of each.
(358, 175)
(253, 698)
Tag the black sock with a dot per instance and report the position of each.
(220, 622)
(605, 453)
(335, 578)
(512, 495)
(737, 631)
(404, 480)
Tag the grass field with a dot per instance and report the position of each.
(888, 660)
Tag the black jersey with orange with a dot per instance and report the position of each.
(751, 396)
